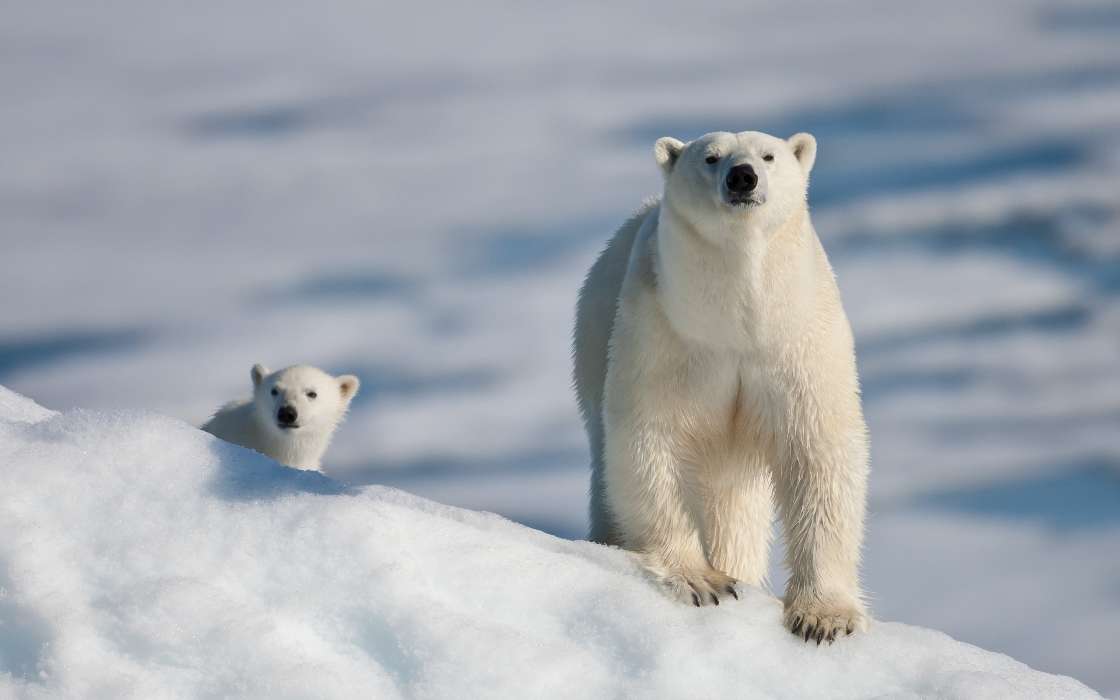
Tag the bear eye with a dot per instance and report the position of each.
(274, 392)
(711, 160)
(768, 157)
(311, 394)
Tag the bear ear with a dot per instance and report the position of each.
(348, 384)
(258, 373)
(804, 149)
(666, 151)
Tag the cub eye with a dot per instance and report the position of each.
(768, 157)
(311, 394)
(711, 160)
(274, 392)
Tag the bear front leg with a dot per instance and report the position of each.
(738, 519)
(822, 491)
(647, 491)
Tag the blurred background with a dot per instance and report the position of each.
(413, 193)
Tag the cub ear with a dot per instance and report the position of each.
(258, 373)
(804, 149)
(666, 151)
(348, 384)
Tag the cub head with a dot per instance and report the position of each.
(300, 399)
(730, 179)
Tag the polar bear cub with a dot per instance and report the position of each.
(291, 417)
(716, 374)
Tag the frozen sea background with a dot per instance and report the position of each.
(413, 194)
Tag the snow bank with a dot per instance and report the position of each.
(143, 558)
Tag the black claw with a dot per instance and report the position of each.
(820, 635)
(696, 600)
(831, 637)
(731, 590)
(849, 630)
(808, 632)
(797, 624)
(715, 600)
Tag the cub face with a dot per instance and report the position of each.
(300, 399)
(722, 180)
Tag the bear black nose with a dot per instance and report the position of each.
(286, 415)
(741, 179)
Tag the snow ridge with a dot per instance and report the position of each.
(144, 558)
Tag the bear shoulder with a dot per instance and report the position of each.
(232, 422)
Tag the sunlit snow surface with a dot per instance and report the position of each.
(144, 558)
(413, 194)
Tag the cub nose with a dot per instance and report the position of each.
(286, 415)
(741, 179)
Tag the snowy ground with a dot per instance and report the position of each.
(148, 559)
(413, 194)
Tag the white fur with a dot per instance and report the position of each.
(253, 422)
(715, 370)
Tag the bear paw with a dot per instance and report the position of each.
(824, 620)
(699, 587)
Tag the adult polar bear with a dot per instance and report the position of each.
(715, 369)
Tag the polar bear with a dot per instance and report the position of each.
(715, 371)
(291, 417)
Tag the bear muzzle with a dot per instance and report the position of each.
(741, 187)
(286, 417)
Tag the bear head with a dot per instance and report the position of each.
(300, 400)
(723, 181)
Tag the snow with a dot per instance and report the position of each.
(144, 558)
(191, 189)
